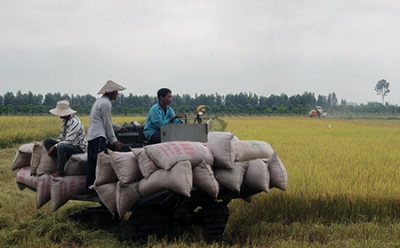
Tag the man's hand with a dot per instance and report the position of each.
(118, 145)
(175, 116)
(123, 129)
(50, 151)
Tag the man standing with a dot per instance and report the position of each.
(101, 129)
(160, 114)
(71, 139)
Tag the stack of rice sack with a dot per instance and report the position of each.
(122, 178)
(249, 162)
(35, 166)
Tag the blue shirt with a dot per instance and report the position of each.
(158, 118)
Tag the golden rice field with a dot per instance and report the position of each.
(353, 158)
(343, 188)
(16, 130)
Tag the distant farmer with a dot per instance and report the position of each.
(71, 139)
(160, 114)
(101, 129)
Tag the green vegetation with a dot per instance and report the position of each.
(231, 104)
(343, 191)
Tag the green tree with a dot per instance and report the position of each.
(382, 88)
(249, 109)
(281, 110)
(267, 111)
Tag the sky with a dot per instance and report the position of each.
(262, 47)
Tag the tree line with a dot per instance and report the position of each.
(230, 104)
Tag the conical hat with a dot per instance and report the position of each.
(62, 109)
(111, 86)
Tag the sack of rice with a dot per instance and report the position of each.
(76, 165)
(235, 138)
(257, 175)
(204, 179)
(104, 171)
(64, 188)
(43, 192)
(277, 172)
(246, 150)
(107, 195)
(167, 154)
(126, 167)
(22, 156)
(220, 144)
(231, 178)
(146, 165)
(178, 179)
(47, 165)
(35, 158)
(126, 197)
(25, 179)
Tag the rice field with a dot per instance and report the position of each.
(15, 130)
(343, 188)
(354, 158)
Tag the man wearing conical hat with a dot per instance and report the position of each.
(71, 139)
(101, 129)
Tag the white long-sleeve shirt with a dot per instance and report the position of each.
(100, 124)
(73, 133)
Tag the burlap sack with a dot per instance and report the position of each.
(178, 179)
(231, 178)
(277, 172)
(126, 167)
(257, 175)
(246, 150)
(107, 195)
(43, 192)
(22, 156)
(47, 165)
(104, 171)
(76, 165)
(24, 178)
(220, 144)
(36, 155)
(64, 188)
(167, 154)
(126, 197)
(204, 179)
(146, 165)
(235, 138)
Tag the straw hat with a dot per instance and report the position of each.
(111, 86)
(62, 109)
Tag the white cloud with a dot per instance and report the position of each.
(264, 47)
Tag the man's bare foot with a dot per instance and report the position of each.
(58, 174)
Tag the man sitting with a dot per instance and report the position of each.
(71, 139)
(160, 114)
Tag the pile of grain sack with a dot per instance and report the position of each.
(122, 178)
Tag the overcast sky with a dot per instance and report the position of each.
(217, 46)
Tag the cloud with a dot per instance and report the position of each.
(264, 47)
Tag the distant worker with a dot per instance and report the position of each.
(160, 114)
(71, 139)
(101, 129)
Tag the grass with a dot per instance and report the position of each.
(343, 191)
